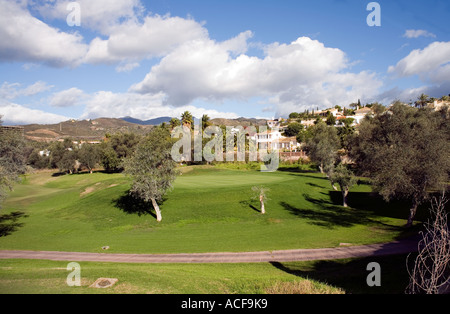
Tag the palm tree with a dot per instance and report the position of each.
(205, 121)
(187, 119)
(422, 101)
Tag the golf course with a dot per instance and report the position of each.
(209, 209)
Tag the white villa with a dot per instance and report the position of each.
(274, 140)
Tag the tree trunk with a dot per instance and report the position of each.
(321, 168)
(344, 196)
(412, 213)
(157, 210)
(263, 211)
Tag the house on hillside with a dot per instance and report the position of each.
(274, 140)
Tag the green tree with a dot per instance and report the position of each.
(109, 158)
(331, 119)
(344, 177)
(116, 148)
(12, 165)
(152, 168)
(345, 132)
(67, 163)
(12, 160)
(293, 129)
(322, 146)
(56, 153)
(89, 156)
(294, 115)
(405, 151)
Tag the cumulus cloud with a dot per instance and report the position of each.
(26, 38)
(154, 37)
(416, 33)
(14, 114)
(98, 15)
(127, 36)
(430, 65)
(430, 62)
(142, 106)
(301, 73)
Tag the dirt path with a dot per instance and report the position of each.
(398, 247)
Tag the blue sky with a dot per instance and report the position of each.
(224, 58)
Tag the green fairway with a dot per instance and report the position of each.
(209, 210)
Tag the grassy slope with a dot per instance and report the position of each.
(325, 277)
(209, 210)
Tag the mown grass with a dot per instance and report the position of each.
(324, 277)
(209, 210)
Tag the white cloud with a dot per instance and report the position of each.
(67, 98)
(302, 73)
(416, 33)
(127, 67)
(12, 90)
(26, 38)
(142, 106)
(98, 15)
(14, 114)
(127, 36)
(430, 63)
(154, 37)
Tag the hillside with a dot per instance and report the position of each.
(83, 129)
(96, 129)
(239, 121)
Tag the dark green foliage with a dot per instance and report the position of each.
(89, 156)
(293, 129)
(322, 146)
(405, 151)
(12, 161)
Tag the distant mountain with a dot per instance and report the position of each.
(156, 121)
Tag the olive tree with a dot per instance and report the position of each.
(344, 177)
(152, 169)
(322, 146)
(405, 151)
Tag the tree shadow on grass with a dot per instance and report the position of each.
(351, 274)
(249, 204)
(9, 224)
(135, 206)
(327, 215)
(364, 208)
